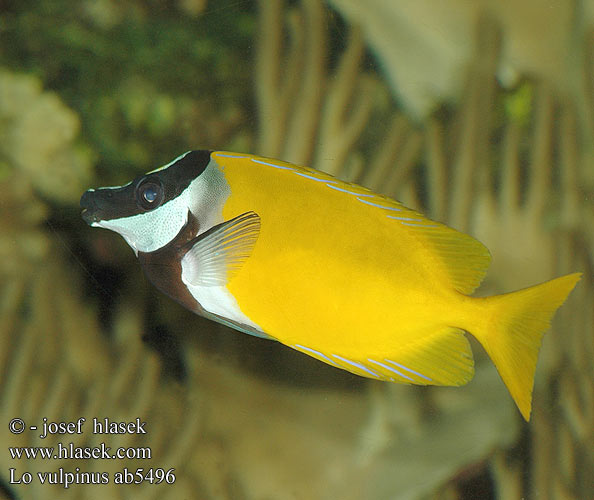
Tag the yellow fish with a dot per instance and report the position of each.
(352, 278)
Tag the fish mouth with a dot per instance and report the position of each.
(89, 208)
(87, 216)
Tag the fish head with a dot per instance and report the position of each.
(150, 211)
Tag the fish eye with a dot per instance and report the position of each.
(149, 194)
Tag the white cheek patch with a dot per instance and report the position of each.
(152, 230)
(149, 231)
(209, 192)
(206, 196)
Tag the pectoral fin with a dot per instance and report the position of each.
(250, 330)
(216, 255)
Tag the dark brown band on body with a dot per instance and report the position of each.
(163, 267)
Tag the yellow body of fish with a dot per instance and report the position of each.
(363, 283)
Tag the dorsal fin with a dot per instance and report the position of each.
(465, 259)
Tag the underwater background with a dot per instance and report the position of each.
(479, 114)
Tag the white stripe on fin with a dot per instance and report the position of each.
(404, 218)
(418, 225)
(358, 365)
(317, 179)
(231, 156)
(347, 191)
(391, 369)
(408, 369)
(316, 353)
(367, 202)
(272, 165)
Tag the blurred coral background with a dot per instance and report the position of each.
(478, 113)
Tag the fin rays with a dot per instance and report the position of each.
(443, 358)
(389, 368)
(465, 259)
(216, 255)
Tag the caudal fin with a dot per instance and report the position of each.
(514, 329)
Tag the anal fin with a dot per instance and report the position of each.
(442, 358)
(236, 325)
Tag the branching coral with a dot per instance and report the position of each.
(36, 135)
(530, 207)
(60, 367)
(312, 116)
(424, 47)
(519, 181)
(564, 427)
(54, 361)
(521, 195)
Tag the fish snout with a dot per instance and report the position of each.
(88, 203)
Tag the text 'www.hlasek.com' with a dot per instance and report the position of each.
(78, 448)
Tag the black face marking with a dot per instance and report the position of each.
(150, 193)
(146, 192)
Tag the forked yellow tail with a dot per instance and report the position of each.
(512, 333)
